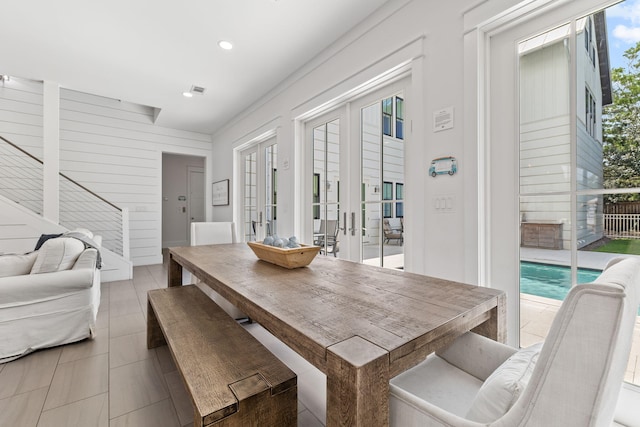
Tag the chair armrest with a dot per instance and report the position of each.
(476, 355)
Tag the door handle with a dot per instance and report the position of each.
(260, 218)
(344, 224)
(353, 224)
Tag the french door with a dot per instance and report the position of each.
(355, 159)
(259, 191)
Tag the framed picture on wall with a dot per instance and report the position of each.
(220, 193)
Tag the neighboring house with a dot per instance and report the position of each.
(545, 132)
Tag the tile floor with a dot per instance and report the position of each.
(115, 381)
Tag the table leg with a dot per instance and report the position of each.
(175, 272)
(357, 384)
(496, 327)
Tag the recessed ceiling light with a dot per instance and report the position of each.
(226, 45)
(187, 94)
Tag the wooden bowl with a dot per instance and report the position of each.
(285, 257)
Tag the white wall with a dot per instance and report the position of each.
(21, 114)
(113, 148)
(439, 244)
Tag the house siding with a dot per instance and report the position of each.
(545, 141)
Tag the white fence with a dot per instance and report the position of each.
(622, 226)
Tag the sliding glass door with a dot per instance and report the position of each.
(576, 196)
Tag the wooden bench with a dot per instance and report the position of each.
(233, 380)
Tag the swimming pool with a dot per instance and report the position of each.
(551, 281)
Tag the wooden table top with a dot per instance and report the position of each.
(332, 300)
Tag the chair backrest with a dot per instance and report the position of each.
(584, 355)
(212, 233)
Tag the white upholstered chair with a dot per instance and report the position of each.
(574, 377)
(214, 233)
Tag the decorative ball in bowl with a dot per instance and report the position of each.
(290, 255)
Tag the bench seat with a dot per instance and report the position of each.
(233, 380)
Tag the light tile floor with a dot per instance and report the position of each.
(114, 380)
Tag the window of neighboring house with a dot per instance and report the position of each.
(589, 112)
(387, 116)
(393, 117)
(399, 196)
(399, 118)
(588, 42)
(387, 194)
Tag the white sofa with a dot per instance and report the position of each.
(50, 296)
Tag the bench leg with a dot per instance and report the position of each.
(155, 338)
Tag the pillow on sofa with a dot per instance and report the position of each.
(57, 255)
(43, 238)
(16, 265)
(503, 387)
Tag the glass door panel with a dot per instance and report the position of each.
(382, 156)
(259, 191)
(250, 196)
(271, 189)
(326, 187)
(579, 181)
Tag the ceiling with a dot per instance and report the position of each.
(151, 51)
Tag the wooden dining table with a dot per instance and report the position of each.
(360, 325)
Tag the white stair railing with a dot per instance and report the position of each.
(21, 181)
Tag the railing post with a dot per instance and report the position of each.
(125, 234)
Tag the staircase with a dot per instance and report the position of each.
(21, 207)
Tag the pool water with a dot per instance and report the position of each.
(551, 281)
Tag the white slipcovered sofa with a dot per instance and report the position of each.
(50, 296)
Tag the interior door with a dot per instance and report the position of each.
(259, 190)
(196, 196)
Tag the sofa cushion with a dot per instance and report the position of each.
(16, 265)
(503, 387)
(57, 255)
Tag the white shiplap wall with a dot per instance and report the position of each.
(114, 149)
(21, 114)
